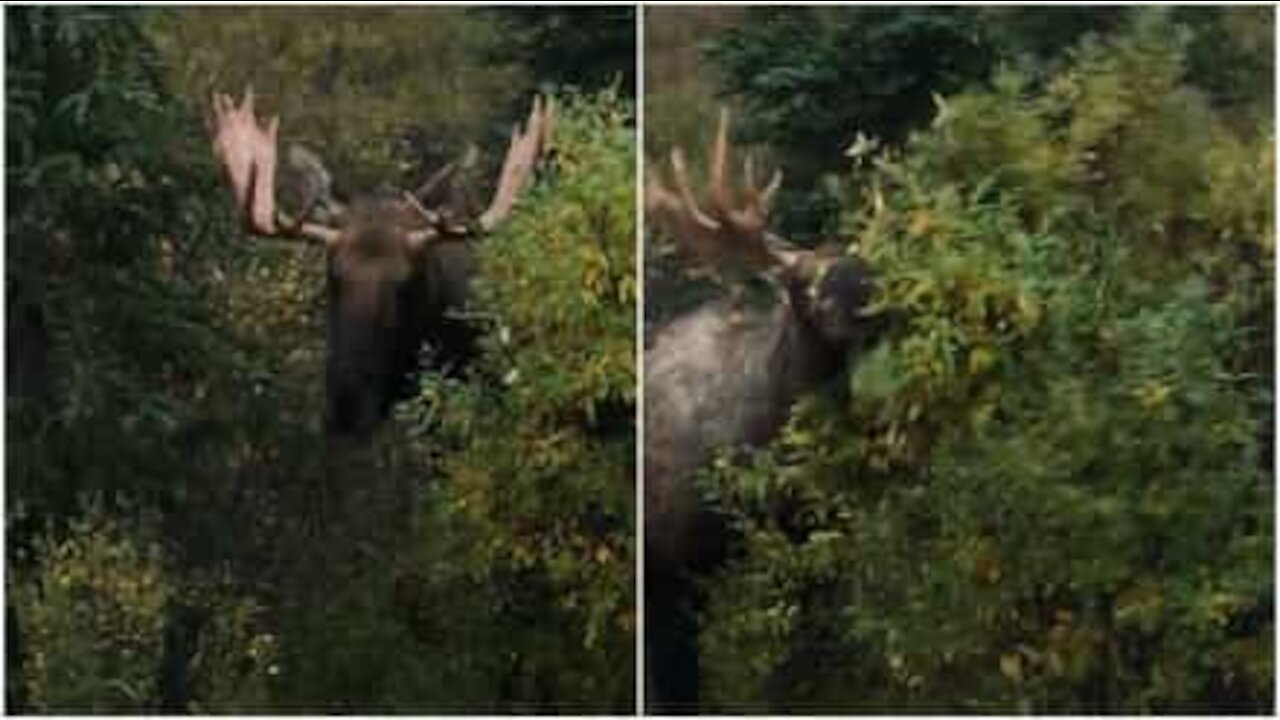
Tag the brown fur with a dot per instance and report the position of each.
(387, 300)
(719, 379)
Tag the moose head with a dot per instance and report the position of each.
(397, 271)
(723, 377)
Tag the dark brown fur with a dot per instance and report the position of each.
(387, 303)
(722, 378)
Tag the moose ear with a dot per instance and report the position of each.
(305, 186)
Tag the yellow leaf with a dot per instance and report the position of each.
(1011, 666)
(980, 359)
(1152, 394)
(920, 223)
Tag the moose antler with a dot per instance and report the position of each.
(527, 145)
(723, 234)
(522, 156)
(434, 182)
(247, 153)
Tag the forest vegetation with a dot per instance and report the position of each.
(181, 536)
(1048, 487)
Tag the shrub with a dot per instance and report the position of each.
(532, 521)
(1048, 487)
(92, 617)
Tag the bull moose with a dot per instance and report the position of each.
(398, 272)
(724, 376)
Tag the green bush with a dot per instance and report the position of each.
(533, 519)
(1048, 487)
(95, 605)
(92, 617)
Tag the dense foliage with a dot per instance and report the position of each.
(586, 48)
(132, 444)
(1049, 486)
(810, 80)
(536, 519)
(827, 72)
(180, 536)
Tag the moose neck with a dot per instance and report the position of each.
(719, 378)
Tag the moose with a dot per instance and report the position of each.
(398, 272)
(723, 377)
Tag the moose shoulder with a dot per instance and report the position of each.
(398, 272)
(722, 377)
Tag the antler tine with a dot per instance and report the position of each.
(548, 122)
(678, 214)
(219, 103)
(263, 210)
(667, 208)
(721, 195)
(723, 233)
(424, 191)
(751, 218)
(762, 197)
(690, 204)
(770, 192)
(517, 167)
